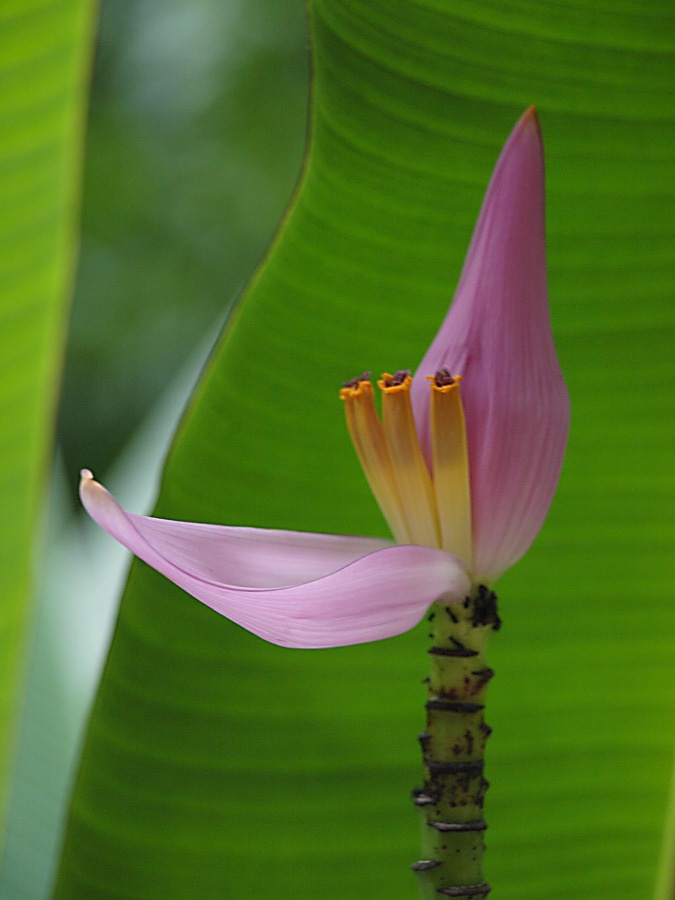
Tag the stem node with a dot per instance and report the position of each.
(450, 802)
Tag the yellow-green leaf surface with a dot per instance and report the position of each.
(218, 766)
(45, 48)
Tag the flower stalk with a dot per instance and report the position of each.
(450, 802)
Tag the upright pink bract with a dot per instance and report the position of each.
(498, 336)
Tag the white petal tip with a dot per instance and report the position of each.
(90, 489)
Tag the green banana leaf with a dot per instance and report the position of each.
(218, 766)
(45, 50)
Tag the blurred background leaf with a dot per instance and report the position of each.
(145, 294)
(217, 765)
(71, 636)
(45, 51)
(196, 132)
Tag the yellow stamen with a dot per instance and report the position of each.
(451, 467)
(367, 434)
(412, 476)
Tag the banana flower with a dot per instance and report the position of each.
(464, 461)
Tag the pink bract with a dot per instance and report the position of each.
(350, 590)
(497, 335)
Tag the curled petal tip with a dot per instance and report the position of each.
(88, 486)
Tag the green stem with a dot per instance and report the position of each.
(451, 801)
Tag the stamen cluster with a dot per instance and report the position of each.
(424, 506)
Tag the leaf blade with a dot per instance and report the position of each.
(45, 54)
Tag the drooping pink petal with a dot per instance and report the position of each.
(345, 600)
(497, 335)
